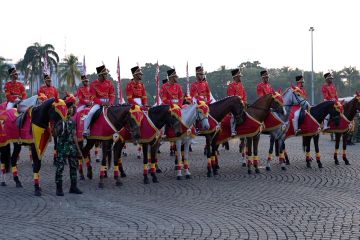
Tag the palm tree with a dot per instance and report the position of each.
(69, 70)
(33, 61)
(3, 75)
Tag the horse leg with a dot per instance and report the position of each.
(306, 141)
(81, 161)
(281, 153)
(153, 160)
(14, 159)
(146, 166)
(179, 158)
(139, 152)
(97, 152)
(5, 162)
(213, 157)
(118, 146)
(86, 154)
(271, 149)
(155, 147)
(36, 170)
(106, 148)
(256, 158)
(242, 150)
(108, 157)
(317, 150)
(337, 145)
(208, 155)
(345, 138)
(283, 148)
(186, 158)
(249, 141)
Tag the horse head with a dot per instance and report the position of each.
(203, 114)
(278, 103)
(175, 118)
(293, 96)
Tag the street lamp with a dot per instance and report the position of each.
(312, 66)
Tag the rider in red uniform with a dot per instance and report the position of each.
(48, 89)
(264, 87)
(301, 90)
(102, 94)
(135, 89)
(171, 92)
(83, 94)
(14, 90)
(330, 94)
(200, 90)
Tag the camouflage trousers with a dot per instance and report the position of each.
(60, 162)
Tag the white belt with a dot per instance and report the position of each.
(175, 100)
(104, 100)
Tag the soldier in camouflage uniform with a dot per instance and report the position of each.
(67, 149)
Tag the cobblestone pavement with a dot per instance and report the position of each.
(299, 203)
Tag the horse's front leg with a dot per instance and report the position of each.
(345, 139)
(5, 162)
(337, 145)
(271, 149)
(317, 150)
(118, 147)
(208, 155)
(306, 142)
(179, 159)
(249, 141)
(36, 170)
(153, 160)
(14, 159)
(81, 161)
(97, 151)
(256, 158)
(186, 157)
(86, 154)
(103, 167)
(243, 152)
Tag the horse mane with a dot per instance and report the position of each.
(223, 99)
(260, 99)
(317, 111)
(40, 114)
(116, 112)
(158, 108)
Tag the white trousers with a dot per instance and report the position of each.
(88, 118)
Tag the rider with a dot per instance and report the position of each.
(171, 92)
(264, 87)
(301, 90)
(200, 89)
(83, 93)
(135, 89)
(236, 88)
(330, 94)
(47, 89)
(14, 90)
(102, 93)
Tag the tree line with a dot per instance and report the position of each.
(346, 80)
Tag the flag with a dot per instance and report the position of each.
(121, 100)
(46, 69)
(187, 80)
(157, 81)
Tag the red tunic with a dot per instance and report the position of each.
(329, 92)
(264, 88)
(171, 93)
(237, 89)
(14, 90)
(200, 90)
(83, 93)
(136, 90)
(102, 90)
(50, 92)
(302, 90)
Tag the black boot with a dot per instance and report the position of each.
(74, 188)
(59, 189)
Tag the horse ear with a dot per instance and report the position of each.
(342, 102)
(280, 90)
(292, 86)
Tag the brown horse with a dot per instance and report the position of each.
(350, 110)
(218, 111)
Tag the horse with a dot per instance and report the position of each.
(159, 116)
(291, 98)
(34, 131)
(189, 115)
(218, 111)
(350, 110)
(259, 110)
(111, 120)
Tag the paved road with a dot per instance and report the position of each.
(299, 203)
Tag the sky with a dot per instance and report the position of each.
(212, 33)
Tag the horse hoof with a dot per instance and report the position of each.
(188, 176)
(268, 169)
(179, 178)
(138, 157)
(82, 177)
(249, 171)
(118, 183)
(155, 180)
(101, 185)
(244, 164)
(3, 184)
(122, 174)
(158, 170)
(287, 163)
(283, 168)
(209, 174)
(37, 192)
(19, 185)
(337, 162)
(90, 175)
(347, 162)
(257, 170)
(320, 165)
(146, 181)
(216, 172)
(217, 167)
(125, 154)
(98, 160)
(308, 164)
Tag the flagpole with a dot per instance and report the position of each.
(187, 79)
(119, 83)
(157, 81)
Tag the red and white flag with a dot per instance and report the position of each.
(121, 99)
(187, 80)
(157, 81)
(84, 67)
(46, 69)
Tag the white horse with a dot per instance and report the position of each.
(190, 114)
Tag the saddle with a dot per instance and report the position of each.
(20, 120)
(96, 115)
(302, 116)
